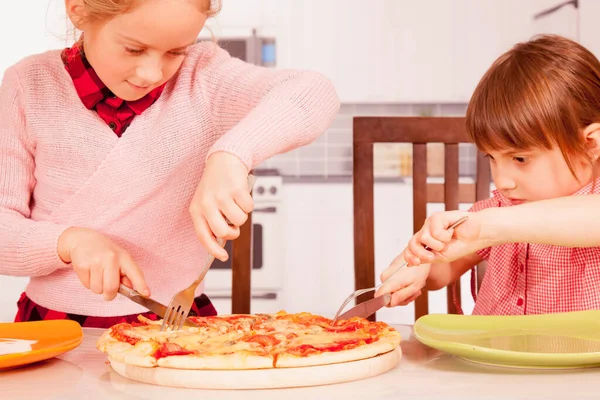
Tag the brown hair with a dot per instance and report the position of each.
(540, 93)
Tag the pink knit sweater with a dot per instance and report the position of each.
(61, 165)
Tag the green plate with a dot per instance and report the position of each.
(567, 340)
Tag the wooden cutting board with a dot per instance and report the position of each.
(261, 379)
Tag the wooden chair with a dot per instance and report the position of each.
(418, 131)
(241, 266)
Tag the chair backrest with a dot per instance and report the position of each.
(450, 131)
(241, 268)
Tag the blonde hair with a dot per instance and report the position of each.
(105, 10)
(99, 10)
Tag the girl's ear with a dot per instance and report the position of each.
(591, 134)
(76, 12)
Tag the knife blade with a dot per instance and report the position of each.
(151, 304)
(367, 308)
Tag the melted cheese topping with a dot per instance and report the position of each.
(218, 335)
(323, 339)
(221, 344)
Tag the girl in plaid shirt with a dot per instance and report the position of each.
(536, 114)
(123, 156)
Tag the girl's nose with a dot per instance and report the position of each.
(504, 182)
(150, 72)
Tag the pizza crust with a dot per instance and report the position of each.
(139, 355)
(274, 378)
(239, 360)
(383, 345)
(104, 340)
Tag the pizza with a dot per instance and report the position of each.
(248, 341)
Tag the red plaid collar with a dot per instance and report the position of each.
(92, 90)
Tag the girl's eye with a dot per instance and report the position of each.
(521, 160)
(134, 51)
(488, 156)
(140, 51)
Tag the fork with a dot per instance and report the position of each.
(359, 292)
(180, 305)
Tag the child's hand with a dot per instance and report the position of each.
(406, 285)
(100, 263)
(222, 193)
(445, 244)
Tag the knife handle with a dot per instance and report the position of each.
(128, 292)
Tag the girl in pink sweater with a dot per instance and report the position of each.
(536, 113)
(121, 157)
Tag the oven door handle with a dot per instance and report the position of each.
(266, 210)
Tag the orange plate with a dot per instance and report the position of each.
(52, 338)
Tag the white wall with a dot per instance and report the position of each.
(10, 289)
(30, 26)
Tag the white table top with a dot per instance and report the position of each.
(423, 373)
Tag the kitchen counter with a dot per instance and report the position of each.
(423, 373)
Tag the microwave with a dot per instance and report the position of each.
(254, 49)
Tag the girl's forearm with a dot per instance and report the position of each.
(572, 221)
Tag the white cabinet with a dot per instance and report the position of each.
(409, 51)
(395, 51)
(425, 51)
(307, 36)
(484, 29)
(589, 10)
(562, 21)
(384, 51)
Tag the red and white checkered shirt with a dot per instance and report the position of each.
(116, 112)
(526, 278)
